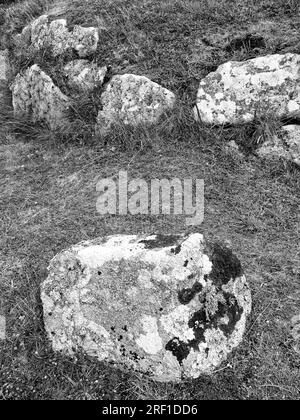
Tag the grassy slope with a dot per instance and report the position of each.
(48, 202)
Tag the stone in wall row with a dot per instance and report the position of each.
(55, 35)
(34, 94)
(239, 92)
(127, 99)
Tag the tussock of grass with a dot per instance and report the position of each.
(20, 13)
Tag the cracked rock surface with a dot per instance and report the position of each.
(237, 92)
(132, 99)
(34, 94)
(158, 304)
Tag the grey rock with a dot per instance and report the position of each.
(5, 96)
(34, 94)
(55, 35)
(84, 75)
(285, 146)
(237, 92)
(131, 100)
(157, 305)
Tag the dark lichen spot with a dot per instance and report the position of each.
(230, 308)
(113, 329)
(160, 241)
(99, 273)
(188, 294)
(120, 337)
(123, 350)
(135, 356)
(53, 333)
(176, 250)
(225, 265)
(50, 313)
(161, 309)
(125, 328)
(198, 323)
(233, 311)
(186, 263)
(185, 296)
(179, 349)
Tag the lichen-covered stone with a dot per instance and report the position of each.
(35, 94)
(285, 146)
(2, 327)
(131, 99)
(4, 76)
(158, 305)
(291, 137)
(84, 75)
(295, 331)
(84, 40)
(56, 36)
(237, 92)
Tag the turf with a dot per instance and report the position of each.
(48, 200)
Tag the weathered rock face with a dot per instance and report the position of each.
(4, 75)
(35, 94)
(133, 100)
(291, 137)
(84, 75)
(156, 304)
(55, 35)
(286, 146)
(240, 91)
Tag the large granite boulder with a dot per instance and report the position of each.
(83, 75)
(286, 145)
(133, 100)
(159, 305)
(42, 33)
(238, 92)
(34, 94)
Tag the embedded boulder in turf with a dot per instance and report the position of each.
(34, 94)
(157, 305)
(131, 100)
(238, 92)
(42, 33)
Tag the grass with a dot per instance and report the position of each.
(48, 191)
